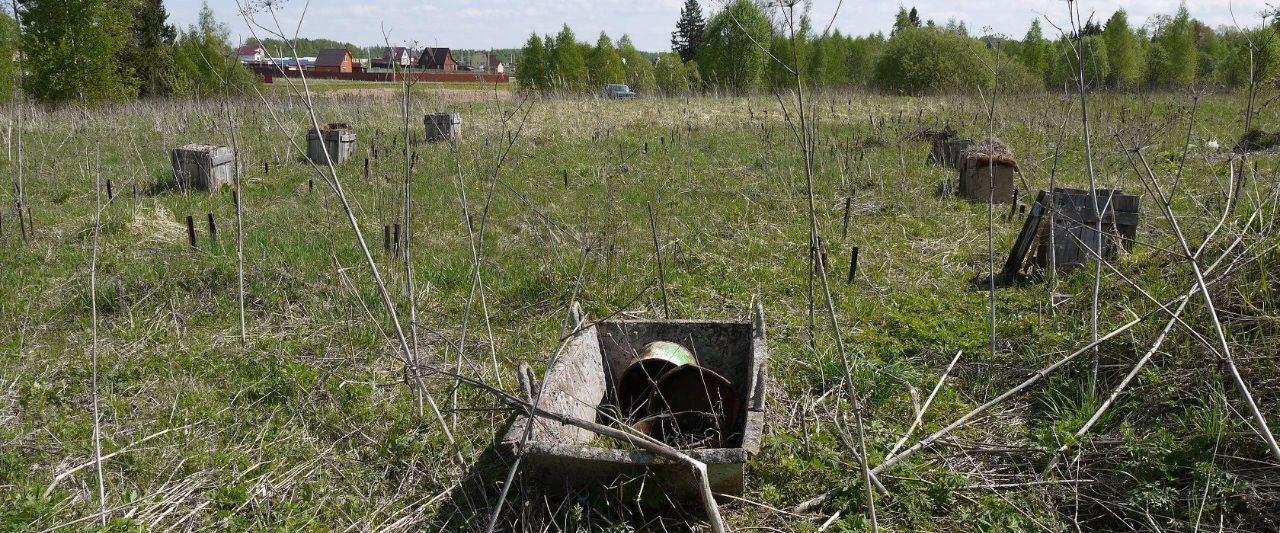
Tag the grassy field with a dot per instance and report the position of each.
(311, 426)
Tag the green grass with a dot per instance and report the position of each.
(311, 426)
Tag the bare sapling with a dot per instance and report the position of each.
(331, 179)
(93, 303)
(1255, 48)
(406, 101)
(1153, 185)
(19, 105)
(475, 238)
(1053, 183)
(1077, 49)
(237, 198)
(991, 198)
(804, 130)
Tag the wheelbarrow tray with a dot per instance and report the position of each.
(580, 383)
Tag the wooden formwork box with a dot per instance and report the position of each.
(339, 139)
(938, 150)
(937, 146)
(443, 127)
(1076, 240)
(1072, 239)
(202, 166)
(977, 176)
(953, 152)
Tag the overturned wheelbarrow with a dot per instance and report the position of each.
(586, 382)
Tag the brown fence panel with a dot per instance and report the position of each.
(438, 76)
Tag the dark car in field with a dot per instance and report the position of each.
(618, 91)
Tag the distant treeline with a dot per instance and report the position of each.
(93, 50)
(86, 51)
(312, 47)
(562, 63)
(743, 48)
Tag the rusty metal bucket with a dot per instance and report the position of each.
(692, 408)
(640, 379)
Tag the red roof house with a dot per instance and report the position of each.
(333, 60)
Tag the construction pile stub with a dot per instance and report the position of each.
(986, 172)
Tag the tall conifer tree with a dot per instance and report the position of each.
(149, 49)
(687, 39)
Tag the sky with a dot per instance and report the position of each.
(479, 24)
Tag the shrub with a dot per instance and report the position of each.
(1016, 78)
(928, 60)
(731, 56)
(672, 75)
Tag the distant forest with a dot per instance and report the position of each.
(127, 50)
(312, 47)
(744, 48)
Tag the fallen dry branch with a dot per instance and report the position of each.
(890, 461)
(920, 413)
(58, 478)
(1174, 319)
(1153, 185)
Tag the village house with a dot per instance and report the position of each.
(437, 59)
(395, 57)
(333, 60)
(251, 53)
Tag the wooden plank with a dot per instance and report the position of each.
(1030, 228)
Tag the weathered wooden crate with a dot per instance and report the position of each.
(1076, 240)
(937, 150)
(977, 177)
(937, 144)
(953, 152)
(1073, 239)
(580, 384)
(443, 127)
(201, 166)
(338, 138)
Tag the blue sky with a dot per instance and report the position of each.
(507, 23)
